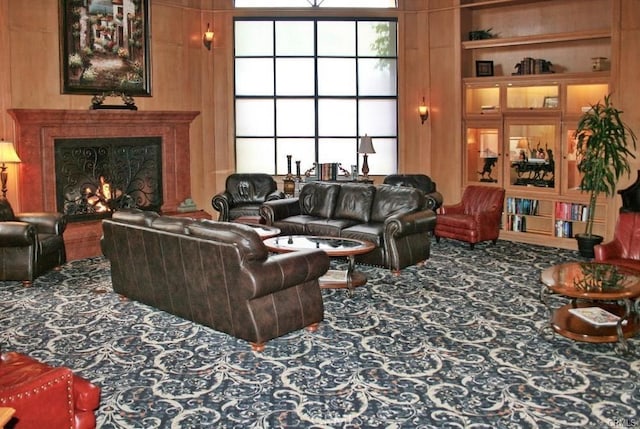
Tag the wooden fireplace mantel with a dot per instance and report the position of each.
(37, 130)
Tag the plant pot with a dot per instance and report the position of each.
(586, 243)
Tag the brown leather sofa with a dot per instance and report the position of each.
(475, 218)
(624, 249)
(30, 243)
(391, 217)
(433, 198)
(243, 195)
(45, 396)
(218, 274)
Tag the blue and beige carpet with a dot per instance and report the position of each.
(453, 344)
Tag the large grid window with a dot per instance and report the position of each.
(311, 88)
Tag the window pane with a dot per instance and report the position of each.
(336, 76)
(319, 3)
(337, 118)
(378, 117)
(377, 77)
(338, 150)
(336, 38)
(254, 76)
(385, 160)
(296, 118)
(254, 117)
(302, 150)
(294, 38)
(248, 162)
(253, 38)
(377, 39)
(295, 76)
(357, 3)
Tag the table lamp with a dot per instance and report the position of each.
(7, 155)
(365, 148)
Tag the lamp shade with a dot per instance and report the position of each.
(522, 143)
(366, 146)
(8, 152)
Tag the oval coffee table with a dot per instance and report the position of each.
(334, 247)
(563, 279)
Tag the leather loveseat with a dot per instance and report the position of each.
(44, 396)
(218, 274)
(394, 218)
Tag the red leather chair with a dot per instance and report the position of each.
(475, 218)
(44, 396)
(624, 249)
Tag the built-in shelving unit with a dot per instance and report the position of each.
(518, 128)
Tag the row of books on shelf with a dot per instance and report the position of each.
(564, 229)
(516, 223)
(522, 206)
(572, 211)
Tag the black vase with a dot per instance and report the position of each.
(586, 243)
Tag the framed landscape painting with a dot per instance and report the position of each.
(105, 47)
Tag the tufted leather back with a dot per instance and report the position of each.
(250, 187)
(392, 200)
(354, 202)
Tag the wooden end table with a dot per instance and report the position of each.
(562, 279)
(334, 247)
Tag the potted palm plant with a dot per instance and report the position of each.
(603, 151)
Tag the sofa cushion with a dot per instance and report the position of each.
(391, 200)
(328, 227)
(354, 202)
(319, 199)
(6, 212)
(244, 237)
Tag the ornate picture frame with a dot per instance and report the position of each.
(105, 47)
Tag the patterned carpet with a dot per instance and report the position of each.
(453, 344)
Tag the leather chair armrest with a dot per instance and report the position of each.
(45, 222)
(452, 209)
(610, 250)
(222, 203)
(286, 270)
(433, 200)
(275, 195)
(17, 234)
(405, 224)
(276, 210)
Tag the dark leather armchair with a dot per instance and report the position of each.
(30, 243)
(475, 218)
(244, 194)
(419, 181)
(624, 249)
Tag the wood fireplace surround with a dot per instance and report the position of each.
(37, 129)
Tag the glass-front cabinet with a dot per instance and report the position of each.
(519, 134)
(533, 150)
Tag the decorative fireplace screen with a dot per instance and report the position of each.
(96, 176)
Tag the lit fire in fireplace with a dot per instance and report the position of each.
(101, 199)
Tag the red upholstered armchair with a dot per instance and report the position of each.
(44, 396)
(474, 219)
(624, 249)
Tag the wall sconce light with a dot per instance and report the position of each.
(207, 37)
(365, 148)
(423, 111)
(7, 154)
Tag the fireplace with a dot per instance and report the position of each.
(95, 177)
(38, 130)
